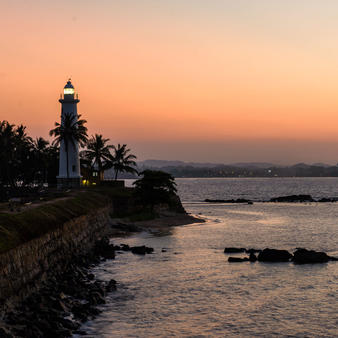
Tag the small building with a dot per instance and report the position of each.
(90, 176)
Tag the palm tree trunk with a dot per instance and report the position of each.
(116, 172)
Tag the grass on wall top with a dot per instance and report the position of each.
(20, 227)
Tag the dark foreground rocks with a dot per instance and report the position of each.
(138, 250)
(141, 250)
(66, 299)
(61, 306)
(300, 256)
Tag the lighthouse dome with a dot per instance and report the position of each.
(69, 88)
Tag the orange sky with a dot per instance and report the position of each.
(176, 79)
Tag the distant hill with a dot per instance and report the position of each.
(324, 165)
(262, 165)
(165, 163)
(241, 169)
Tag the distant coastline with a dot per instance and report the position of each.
(207, 170)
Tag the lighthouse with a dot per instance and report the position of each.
(69, 162)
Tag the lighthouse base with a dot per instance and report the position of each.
(71, 182)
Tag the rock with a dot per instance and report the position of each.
(293, 198)
(111, 285)
(96, 298)
(303, 256)
(104, 249)
(327, 200)
(249, 251)
(238, 200)
(141, 250)
(91, 276)
(237, 259)
(126, 227)
(80, 332)
(64, 299)
(61, 333)
(252, 257)
(234, 250)
(70, 324)
(60, 306)
(125, 247)
(274, 255)
(4, 333)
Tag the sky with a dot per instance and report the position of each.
(196, 80)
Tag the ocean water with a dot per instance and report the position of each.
(192, 291)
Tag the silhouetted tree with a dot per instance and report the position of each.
(155, 186)
(16, 155)
(121, 161)
(70, 130)
(40, 146)
(7, 148)
(97, 153)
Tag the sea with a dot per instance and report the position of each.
(187, 288)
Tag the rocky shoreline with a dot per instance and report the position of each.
(69, 298)
(281, 199)
(66, 300)
(300, 256)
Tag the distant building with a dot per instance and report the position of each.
(72, 176)
(91, 176)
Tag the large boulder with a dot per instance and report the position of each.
(304, 256)
(274, 255)
(141, 250)
(293, 198)
(104, 249)
(252, 257)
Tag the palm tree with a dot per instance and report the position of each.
(97, 153)
(121, 161)
(7, 149)
(21, 136)
(41, 150)
(70, 130)
(15, 154)
(155, 187)
(40, 144)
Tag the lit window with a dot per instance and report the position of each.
(68, 91)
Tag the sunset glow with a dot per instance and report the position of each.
(256, 80)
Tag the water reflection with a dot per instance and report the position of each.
(192, 291)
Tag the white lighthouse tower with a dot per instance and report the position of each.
(69, 163)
